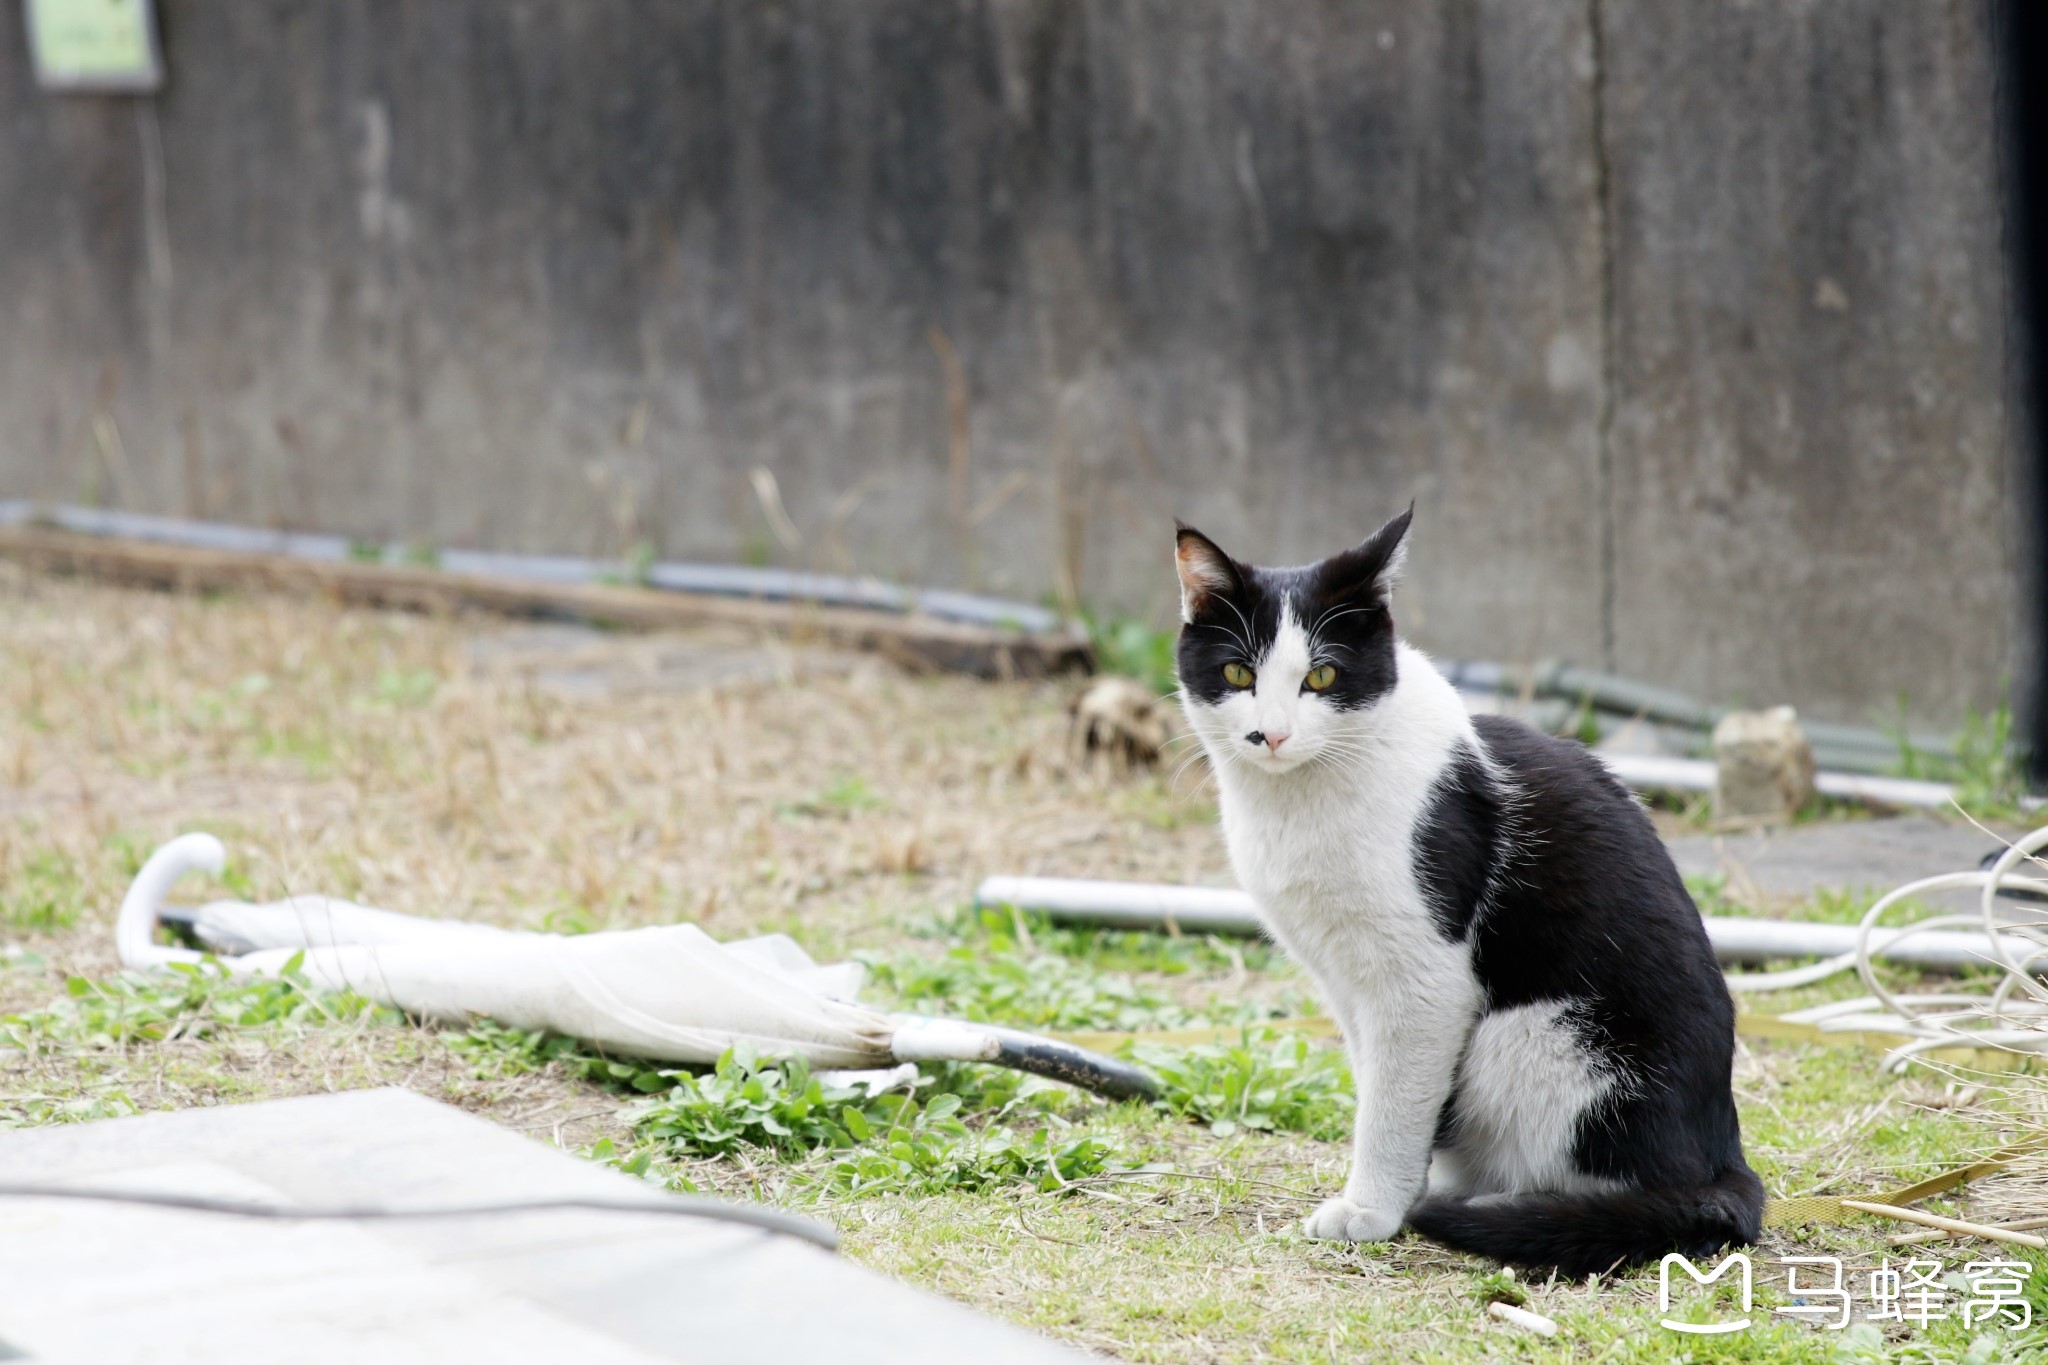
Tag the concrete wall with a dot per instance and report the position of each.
(1810, 443)
(1681, 323)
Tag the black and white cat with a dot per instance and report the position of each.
(1540, 1037)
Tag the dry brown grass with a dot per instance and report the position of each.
(403, 761)
(363, 753)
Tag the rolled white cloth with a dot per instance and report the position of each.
(670, 992)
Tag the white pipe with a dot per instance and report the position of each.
(1127, 905)
(1216, 910)
(1763, 940)
(1655, 772)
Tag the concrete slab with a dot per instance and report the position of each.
(113, 1282)
(1797, 861)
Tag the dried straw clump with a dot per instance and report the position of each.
(1120, 720)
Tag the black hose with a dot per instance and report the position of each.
(1076, 1066)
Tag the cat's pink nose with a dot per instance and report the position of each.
(1275, 738)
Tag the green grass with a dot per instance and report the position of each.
(1984, 764)
(1265, 1081)
(1166, 1231)
(1046, 993)
(847, 795)
(1134, 649)
(184, 1000)
(1004, 929)
(1829, 905)
(42, 893)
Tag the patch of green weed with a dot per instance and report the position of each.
(494, 1050)
(1043, 992)
(747, 1102)
(929, 1150)
(1983, 763)
(1989, 782)
(1006, 929)
(44, 892)
(33, 1109)
(1266, 1081)
(404, 688)
(891, 1143)
(185, 1000)
(1133, 649)
(847, 796)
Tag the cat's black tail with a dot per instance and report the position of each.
(1591, 1234)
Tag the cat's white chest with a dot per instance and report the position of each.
(1335, 877)
(1328, 849)
(1292, 854)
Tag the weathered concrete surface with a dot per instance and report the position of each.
(597, 1286)
(1810, 441)
(558, 274)
(1768, 868)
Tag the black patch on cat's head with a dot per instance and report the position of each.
(1233, 610)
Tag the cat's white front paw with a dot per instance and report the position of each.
(1340, 1220)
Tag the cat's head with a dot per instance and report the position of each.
(1281, 667)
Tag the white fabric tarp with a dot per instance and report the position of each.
(671, 992)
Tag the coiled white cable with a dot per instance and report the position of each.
(2015, 942)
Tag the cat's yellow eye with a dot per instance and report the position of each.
(1237, 675)
(1319, 678)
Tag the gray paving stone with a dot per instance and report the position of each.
(591, 1287)
(1873, 855)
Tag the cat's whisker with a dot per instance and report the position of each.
(1173, 783)
(1246, 639)
(1317, 651)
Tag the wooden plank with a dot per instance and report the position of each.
(916, 640)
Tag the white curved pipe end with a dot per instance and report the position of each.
(135, 926)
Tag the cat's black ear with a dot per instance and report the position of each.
(1205, 571)
(1369, 570)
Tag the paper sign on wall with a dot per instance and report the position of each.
(95, 44)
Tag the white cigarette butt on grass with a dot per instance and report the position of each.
(1523, 1318)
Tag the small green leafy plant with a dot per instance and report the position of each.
(1983, 762)
(928, 1150)
(876, 1143)
(1133, 649)
(186, 1000)
(1988, 776)
(1042, 992)
(846, 796)
(494, 1049)
(747, 1102)
(43, 893)
(1268, 1081)
(1006, 929)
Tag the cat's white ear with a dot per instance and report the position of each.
(1205, 571)
(1374, 566)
